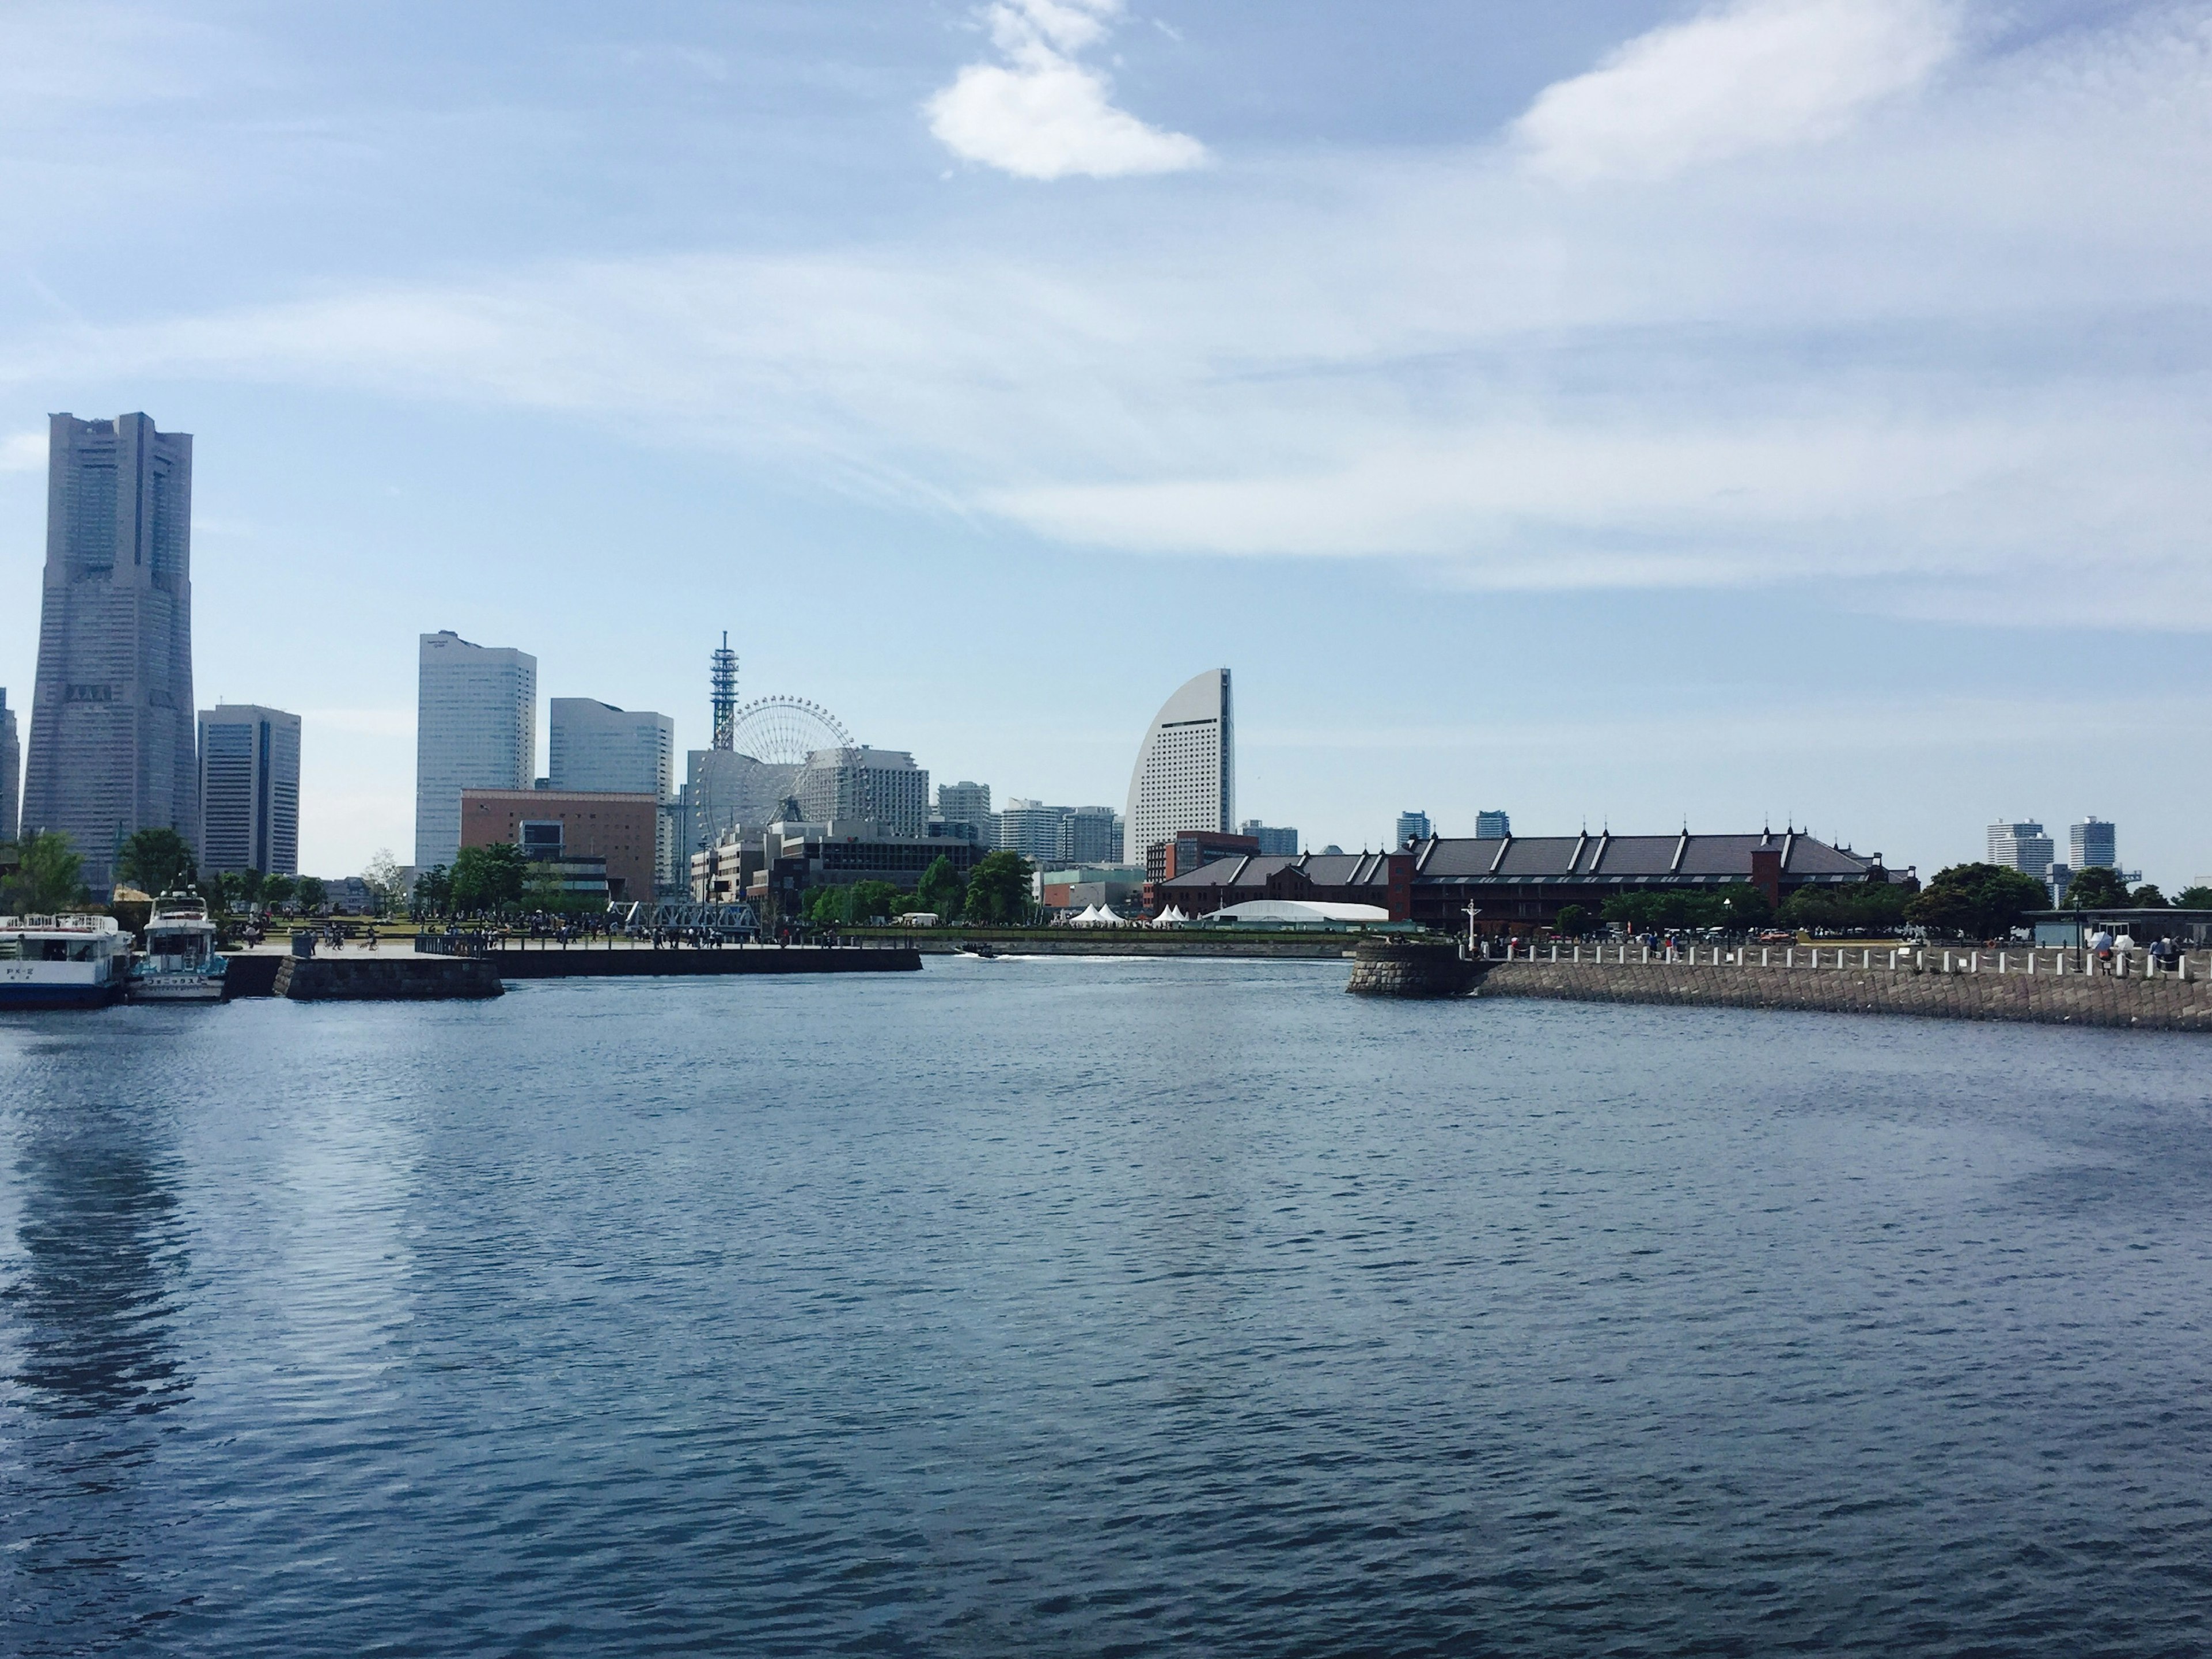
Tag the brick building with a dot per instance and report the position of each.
(618, 828)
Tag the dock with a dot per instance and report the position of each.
(397, 972)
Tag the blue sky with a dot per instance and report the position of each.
(1627, 413)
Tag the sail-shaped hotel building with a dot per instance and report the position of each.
(1186, 771)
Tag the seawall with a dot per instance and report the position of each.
(627, 962)
(1072, 942)
(2167, 1003)
(385, 979)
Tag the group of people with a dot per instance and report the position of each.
(2105, 946)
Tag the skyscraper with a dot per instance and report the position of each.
(1274, 843)
(1411, 826)
(2093, 842)
(475, 728)
(249, 789)
(883, 785)
(7, 761)
(595, 747)
(110, 749)
(970, 803)
(1186, 773)
(1492, 825)
(1031, 829)
(2022, 847)
(1087, 834)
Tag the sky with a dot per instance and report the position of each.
(1626, 414)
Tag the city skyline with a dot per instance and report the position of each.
(1904, 390)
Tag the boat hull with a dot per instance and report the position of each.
(29, 995)
(175, 987)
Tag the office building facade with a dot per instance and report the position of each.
(1411, 826)
(1088, 834)
(1275, 842)
(1031, 829)
(1185, 777)
(249, 789)
(10, 760)
(881, 785)
(2093, 841)
(595, 746)
(969, 804)
(1492, 825)
(2022, 847)
(111, 746)
(475, 728)
(573, 828)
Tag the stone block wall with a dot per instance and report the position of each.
(2164, 1004)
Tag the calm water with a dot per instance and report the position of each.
(1083, 1307)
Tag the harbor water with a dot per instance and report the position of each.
(1098, 1306)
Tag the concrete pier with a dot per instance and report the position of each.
(1409, 968)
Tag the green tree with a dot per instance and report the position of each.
(870, 901)
(434, 891)
(1743, 907)
(48, 877)
(311, 893)
(2097, 887)
(941, 891)
(2196, 896)
(1979, 901)
(1573, 921)
(999, 888)
(2147, 897)
(276, 890)
(157, 861)
(489, 878)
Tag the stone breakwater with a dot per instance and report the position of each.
(1844, 983)
(1404, 968)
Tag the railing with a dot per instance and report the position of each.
(2138, 964)
(454, 945)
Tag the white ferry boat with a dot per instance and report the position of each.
(62, 961)
(179, 963)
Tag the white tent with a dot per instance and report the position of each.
(1108, 919)
(1172, 917)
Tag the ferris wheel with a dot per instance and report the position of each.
(785, 730)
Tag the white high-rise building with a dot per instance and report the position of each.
(1186, 773)
(1493, 826)
(881, 785)
(593, 746)
(1413, 825)
(2022, 847)
(475, 728)
(249, 789)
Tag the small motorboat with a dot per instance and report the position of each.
(179, 963)
(989, 952)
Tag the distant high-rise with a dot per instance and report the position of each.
(1185, 777)
(8, 763)
(475, 728)
(249, 789)
(594, 746)
(1087, 834)
(2093, 842)
(2022, 847)
(1032, 829)
(1274, 843)
(1411, 826)
(970, 803)
(111, 748)
(1493, 826)
(883, 785)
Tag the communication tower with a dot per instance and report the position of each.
(726, 694)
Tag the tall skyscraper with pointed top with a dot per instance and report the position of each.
(112, 745)
(1186, 773)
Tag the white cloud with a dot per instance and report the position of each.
(23, 452)
(1752, 76)
(1044, 115)
(1954, 363)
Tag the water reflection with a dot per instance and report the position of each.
(98, 1249)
